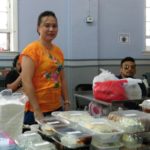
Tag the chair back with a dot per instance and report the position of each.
(81, 104)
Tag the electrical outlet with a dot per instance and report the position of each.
(89, 19)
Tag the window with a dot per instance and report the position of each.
(8, 26)
(147, 25)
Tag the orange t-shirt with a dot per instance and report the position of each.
(46, 79)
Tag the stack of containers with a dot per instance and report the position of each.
(134, 123)
(105, 136)
(65, 134)
(32, 141)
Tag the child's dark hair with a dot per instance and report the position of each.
(15, 61)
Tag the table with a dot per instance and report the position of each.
(114, 105)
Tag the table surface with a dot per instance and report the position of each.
(88, 95)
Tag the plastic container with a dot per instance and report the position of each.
(7, 143)
(103, 131)
(28, 139)
(51, 123)
(74, 116)
(132, 140)
(71, 137)
(145, 106)
(43, 146)
(115, 146)
(131, 121)
(56, 122)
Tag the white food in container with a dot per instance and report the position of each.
(103, 131)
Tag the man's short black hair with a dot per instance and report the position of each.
(127, 59)
(15, 61)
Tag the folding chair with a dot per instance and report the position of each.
(81, 104)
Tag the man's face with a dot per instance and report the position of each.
(128, 69)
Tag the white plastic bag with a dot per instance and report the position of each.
(12, 112)
(133, 89)
(105, 75)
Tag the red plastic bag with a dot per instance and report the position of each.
(110, 90)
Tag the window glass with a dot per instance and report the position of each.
(4, 20)
(148, 3)
(148, 42)
(8, 25)
(3, 41)
(147, 28)
(3, 5)
(147, 14)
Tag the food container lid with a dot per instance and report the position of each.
(56, 122)
(52, 122)
(102, 126)
(145, 104)
(74, 116)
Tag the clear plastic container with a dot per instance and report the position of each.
(74, 116)
(146, 106)
(43, 146)
(52, 122)
(73, 137)
(131, 121)
(28, 139)
(56, 122)
(132, 140)
(114, 146)
(7, 143)
(103, 131)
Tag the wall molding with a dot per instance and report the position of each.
(6, 61)
(104, 62)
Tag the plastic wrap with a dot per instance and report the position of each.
(12, 112)
(131, 121)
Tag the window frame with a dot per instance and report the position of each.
(147, 48)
